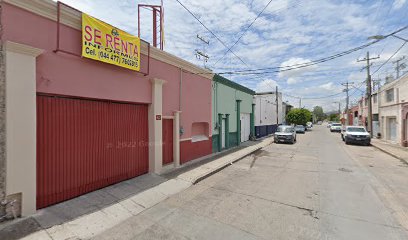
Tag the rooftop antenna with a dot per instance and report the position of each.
(158, 23)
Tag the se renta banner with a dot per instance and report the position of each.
(105, 43)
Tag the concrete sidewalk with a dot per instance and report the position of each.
(93, 213)
(392, 149)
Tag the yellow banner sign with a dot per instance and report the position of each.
(105, 43)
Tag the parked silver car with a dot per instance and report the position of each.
(300, 129)
(285, 133)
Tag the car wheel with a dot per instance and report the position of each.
(347, 142)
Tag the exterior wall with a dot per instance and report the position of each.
(393, 109)
(3, 132)
(98, 80)
(265, 113)
(224, 101)
(169, 87)
(21, 123)
(265, 109)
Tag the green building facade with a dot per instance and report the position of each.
(233, 113)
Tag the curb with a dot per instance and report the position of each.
(214, 171)
(390, 153)
(200, 173)
(90, 225)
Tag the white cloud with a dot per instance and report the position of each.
(291, 81)
(296, 72)
(398, 4)
(267, 85)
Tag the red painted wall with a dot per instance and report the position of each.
(192, 150)
(62, 74)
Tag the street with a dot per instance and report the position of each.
(318, 188)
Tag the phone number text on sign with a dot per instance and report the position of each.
(102, 42)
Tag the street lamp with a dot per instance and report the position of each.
(381, 37)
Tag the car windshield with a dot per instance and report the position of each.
(336, 124)
(355, 129)
(285, 129)
(299, 126)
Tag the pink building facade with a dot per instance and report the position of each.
(43, 83)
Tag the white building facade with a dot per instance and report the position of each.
(268, 113)
(393, 111)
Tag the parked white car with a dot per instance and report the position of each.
(356, 134)
(335, 127)
(329, 124)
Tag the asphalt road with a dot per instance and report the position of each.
(318, 188)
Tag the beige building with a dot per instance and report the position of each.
(393, 111)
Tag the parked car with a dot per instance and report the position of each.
(285, 133)
(335, 127)
(329, 124)
(300, 129)
(319, 123)
(309, 125)
(356, 134)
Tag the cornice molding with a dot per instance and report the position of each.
(48, 9)
(72, 18)
(22, 49)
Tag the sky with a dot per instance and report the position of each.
(287, 32)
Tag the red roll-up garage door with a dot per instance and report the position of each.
(84, 145)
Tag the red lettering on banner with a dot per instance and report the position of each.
(97, 37)
(109, 41)
(88, 33)
(116, 43)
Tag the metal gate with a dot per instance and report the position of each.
(245, 126)
(84, 145)
(167, 141)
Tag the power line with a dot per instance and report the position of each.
(245, 31)
(390, 58)
(212, 33)
(311, 63)
(250, 25)
(313, 98)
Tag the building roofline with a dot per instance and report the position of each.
(220, 79)
(72, 18)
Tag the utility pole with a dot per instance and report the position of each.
(201, 54)
(370, 107)
(347, 84)
(300, 103)
(277, 106)
(339, 109)
(399, 66)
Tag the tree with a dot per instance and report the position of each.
(334, 117)
(318, 113)
(299, 116)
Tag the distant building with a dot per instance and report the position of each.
(393, 111)
(232, 106)
(268, 113)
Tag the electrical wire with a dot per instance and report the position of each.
(390, 57)
(245, 31)
(311, 63)
(209, 30)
